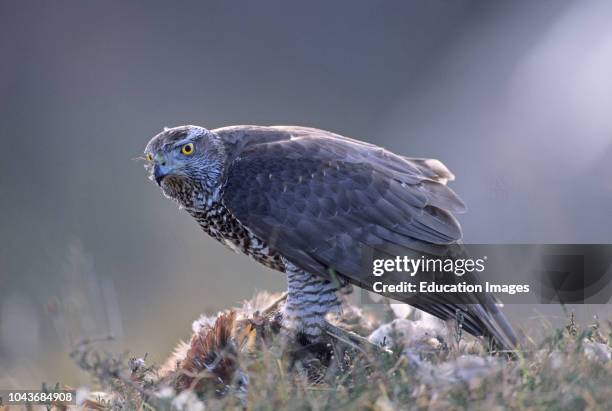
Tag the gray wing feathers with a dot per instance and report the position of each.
(324, 201)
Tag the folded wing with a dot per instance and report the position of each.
(327, 202)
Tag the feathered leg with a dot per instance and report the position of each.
(309, 299)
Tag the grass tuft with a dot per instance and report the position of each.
(240, 360)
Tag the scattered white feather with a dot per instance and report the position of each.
(409, 334)
(401, 310)
(203, 322)
(471, 369)
(187, 401)
(595, 351)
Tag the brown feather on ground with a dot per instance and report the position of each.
(211, 362)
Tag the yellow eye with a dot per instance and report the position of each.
(187, 149)
(149, 157)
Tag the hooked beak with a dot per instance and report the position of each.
(162, 169)
(159, 172)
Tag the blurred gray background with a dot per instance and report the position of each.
(515, 97)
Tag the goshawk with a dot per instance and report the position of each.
(314, 205)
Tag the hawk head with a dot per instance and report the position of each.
(185, 161)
